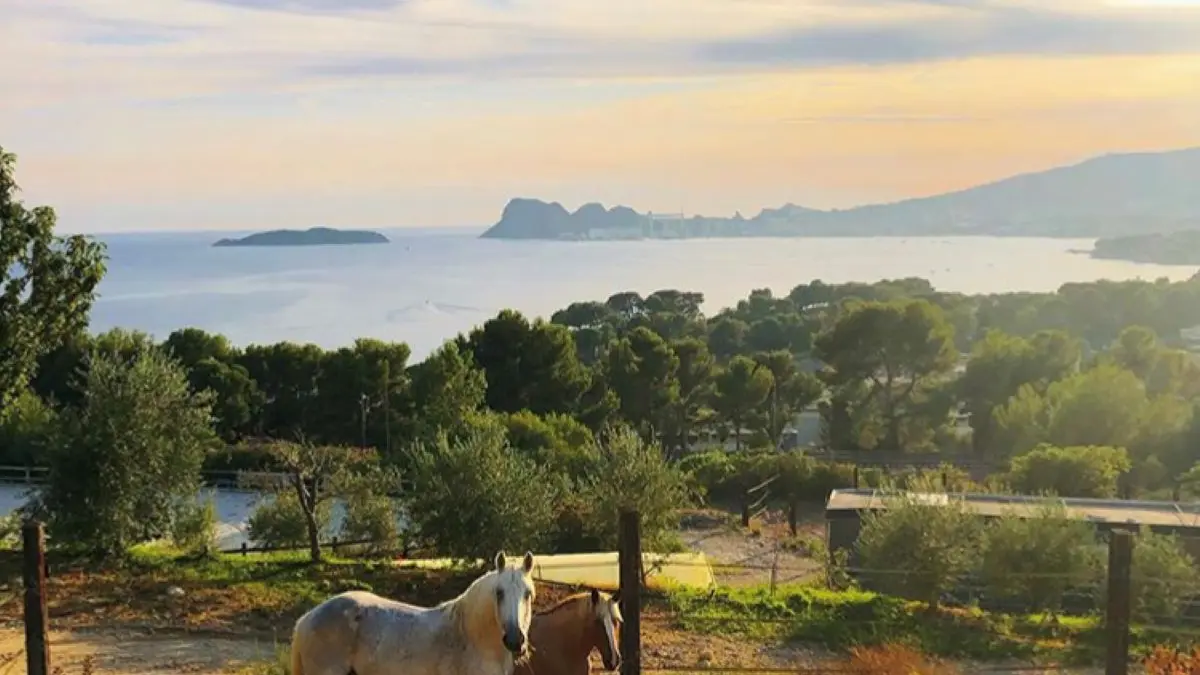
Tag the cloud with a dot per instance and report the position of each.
(974, 29)
(314, 6)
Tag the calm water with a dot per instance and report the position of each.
(427, 286)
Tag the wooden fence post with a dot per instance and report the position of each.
(37, 647)
(629, 561)
(1117, 609)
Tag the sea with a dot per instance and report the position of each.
(428, 285)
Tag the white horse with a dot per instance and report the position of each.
(484, 631)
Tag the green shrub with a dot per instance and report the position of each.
(278, 521)
(1035, 560)
(195, 528)
(1076, 471)
(1164, 577)
(371, 517)
(919, 546)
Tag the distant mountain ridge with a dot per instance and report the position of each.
(1109, 195)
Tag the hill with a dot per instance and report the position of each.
(1111, 195)
(317, 236)
(1171, 248)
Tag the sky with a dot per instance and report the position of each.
(155, 115)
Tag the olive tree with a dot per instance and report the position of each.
(125, 466)
(1036, 559)
(475, 495)
(919, 545)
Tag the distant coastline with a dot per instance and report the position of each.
(317, 236)
(1181, 247)
(1109, 196)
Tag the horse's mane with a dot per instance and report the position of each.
(457, 606)
(569, 600)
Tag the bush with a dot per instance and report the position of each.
(10, 530)
(1035, 560)
(633, 474)
(1166, 661)
(475, 496)
(25, 428)
(278, 521)
(371, 517)
(919, 549)
(1076, 471)
(1164, 577)
(894, 659)
(195, 529)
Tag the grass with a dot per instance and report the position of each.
(844, 620)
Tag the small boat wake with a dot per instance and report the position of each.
(430, 308)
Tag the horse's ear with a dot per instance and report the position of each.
(527, 563)
(595, 597)
(501, 563)
(616, 597)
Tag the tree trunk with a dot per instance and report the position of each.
(793, 516)
(308, 506)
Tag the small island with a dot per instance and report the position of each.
(317, 236)
(1163, 248)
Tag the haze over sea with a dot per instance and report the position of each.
(430, 284)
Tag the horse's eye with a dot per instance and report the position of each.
(499, 593)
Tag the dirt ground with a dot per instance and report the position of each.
(135, 653)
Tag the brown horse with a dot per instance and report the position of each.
(562, 638)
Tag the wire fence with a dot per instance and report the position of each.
(753, 610)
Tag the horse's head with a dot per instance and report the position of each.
(514, 594)
(606, 611)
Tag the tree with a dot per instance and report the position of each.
(727, 337)
(47, 284)
(791, 392)
(531, 366)
(1101, 406)
(316, 475)
(474, 496)
(1038, 558)
(360, 391)
(287, 374)
(190, 346)
(919, 548)
(237, 401)
(741, 387)
(695, 375)
(1075, 471)
(1000, 365)
(632, 474)
(641, 369)
(446, 388)
(126, 465)
(898, 347)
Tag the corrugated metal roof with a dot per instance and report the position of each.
(1109, 511)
